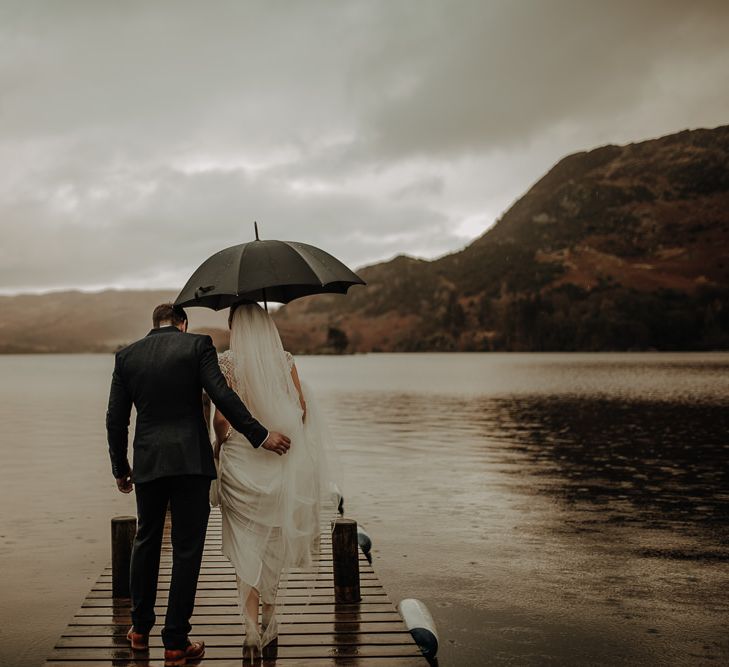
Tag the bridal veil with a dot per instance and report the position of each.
(272, 506)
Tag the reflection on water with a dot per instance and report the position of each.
(563, 509)
(549, 509)
(655, 465)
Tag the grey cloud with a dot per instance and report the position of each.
(137, 138)
(184, 218)
(470, 76)
(427, 185)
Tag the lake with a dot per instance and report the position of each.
(548, 508)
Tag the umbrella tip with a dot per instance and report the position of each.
(255, 226)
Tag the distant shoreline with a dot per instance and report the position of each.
(28, 353)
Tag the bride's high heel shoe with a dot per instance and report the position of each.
(270, 633)
(251, 643)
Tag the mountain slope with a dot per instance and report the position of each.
(615, 248)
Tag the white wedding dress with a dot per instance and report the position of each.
(272, 506)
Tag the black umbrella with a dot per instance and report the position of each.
(268, 270)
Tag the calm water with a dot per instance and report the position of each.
(549, 509)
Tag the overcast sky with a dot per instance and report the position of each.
(136, 138)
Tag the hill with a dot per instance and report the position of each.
(88, 322)
(617, 248)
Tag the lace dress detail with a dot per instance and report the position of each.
(228, 366)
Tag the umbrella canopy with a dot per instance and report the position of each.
(267, 270)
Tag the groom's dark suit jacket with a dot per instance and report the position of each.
(163, 375)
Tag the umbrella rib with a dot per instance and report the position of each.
(316, 273)
(240, 265)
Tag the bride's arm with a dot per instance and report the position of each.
(221, 426)
(297, 384)
(222, 429)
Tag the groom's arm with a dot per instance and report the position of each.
(117, 422)
(225, 399)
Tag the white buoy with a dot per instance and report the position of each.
(421, 625)
(365, 543)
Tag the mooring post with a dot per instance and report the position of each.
(345, 558)
(123, 529)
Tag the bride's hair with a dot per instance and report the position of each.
(233, 308)
(258, 354)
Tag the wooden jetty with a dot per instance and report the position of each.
(315, 630)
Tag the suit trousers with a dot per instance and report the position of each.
(188, 499)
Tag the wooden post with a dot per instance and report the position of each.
(123, 529)
(345, 558)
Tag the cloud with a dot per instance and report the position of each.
(137, 138)
(161, 223)
(470, 77)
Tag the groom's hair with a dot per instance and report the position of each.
(167, 312)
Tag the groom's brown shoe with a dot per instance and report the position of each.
(180, 657)
(140, 642)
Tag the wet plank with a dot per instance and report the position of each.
(383, 616)
(314, 630)
(340, 661)
(216, 652)
(314, 608)
(288, 639)
(236, 629)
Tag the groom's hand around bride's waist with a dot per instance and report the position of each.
(277, 442)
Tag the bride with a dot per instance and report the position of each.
(271, 504)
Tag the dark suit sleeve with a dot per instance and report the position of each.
(225, 399)
(117, 422)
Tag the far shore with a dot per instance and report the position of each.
(329, 353)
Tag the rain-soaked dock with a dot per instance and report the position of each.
(315, 630)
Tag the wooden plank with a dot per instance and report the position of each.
(324, 574)
(226, 652)
(231, 593)
(164, 587)
(322, 565)
(298, 617)
(319, 597)
(285, 639)
(231, 601)
(229, 580)
(202, 631)
(318, 590)
(341, 661)
(232, 610)
(229, 574)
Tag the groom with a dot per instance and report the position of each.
(163, 376)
